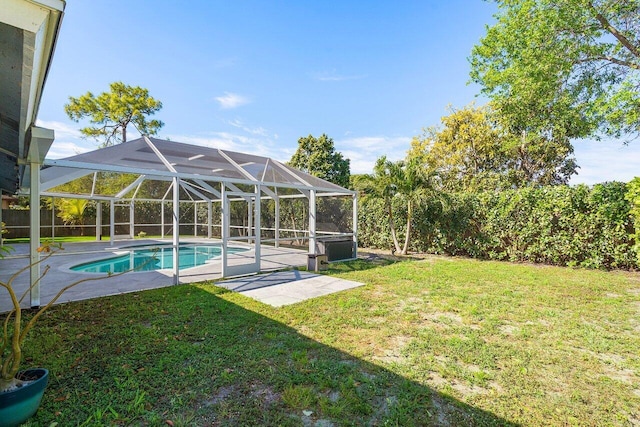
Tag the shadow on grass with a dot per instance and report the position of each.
(366, 262)
(189, 355)
(370, 260)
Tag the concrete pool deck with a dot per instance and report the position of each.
(286, 292)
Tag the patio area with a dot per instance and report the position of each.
(287, 287)
(60, 275)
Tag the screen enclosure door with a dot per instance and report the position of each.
(240, 228)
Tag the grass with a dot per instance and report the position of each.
(439, 341)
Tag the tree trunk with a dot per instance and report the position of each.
(408, 236)
(392, 228)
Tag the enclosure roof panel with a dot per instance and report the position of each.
(157, 157)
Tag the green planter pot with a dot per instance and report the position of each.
(19, 405)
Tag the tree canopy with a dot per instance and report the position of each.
(318, 157)
(566, 68)
(111, 112)
(474, 150)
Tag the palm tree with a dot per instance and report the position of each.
(416, 183)
(389, 179)
(72, 211)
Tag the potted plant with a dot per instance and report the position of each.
(22, 391)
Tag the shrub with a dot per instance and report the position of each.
(560, 225)
(633, 197)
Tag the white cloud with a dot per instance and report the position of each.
(231, 100)
(606, 161)
(61, 150)
(62, 130)
(364, 151)
(254, 131)
(68, 140)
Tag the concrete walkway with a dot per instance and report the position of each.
(60, 274)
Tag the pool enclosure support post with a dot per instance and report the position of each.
(277, 225)
(53, 218)
(224, 232)
(257, 228)
(41, 140)
(131, 219)
(98, 221)
(250, 219)
(34, 240)
(162, 219)
(312, 222)
(209, 218)
(112, 221)
(176, 231)
(195, 219)
(355, 226)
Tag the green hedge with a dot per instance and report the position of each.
(560, 225)
(633, 197)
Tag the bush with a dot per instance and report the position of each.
(633, 197)
(560, 225)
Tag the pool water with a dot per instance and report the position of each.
(156, 258)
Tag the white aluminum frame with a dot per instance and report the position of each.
(203, 188)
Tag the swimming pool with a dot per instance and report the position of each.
(155, 258)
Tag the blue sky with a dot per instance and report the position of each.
(254, 76)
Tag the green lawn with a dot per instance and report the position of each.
(439, 341)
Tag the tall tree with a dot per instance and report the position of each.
(535, 159)
(318, 157)
(565, 68)
(476, 149)
(466, 150)
(112, 112)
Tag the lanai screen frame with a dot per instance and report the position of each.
(264, 174)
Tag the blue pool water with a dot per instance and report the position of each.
(156, 258)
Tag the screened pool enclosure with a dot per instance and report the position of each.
(167, 188)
